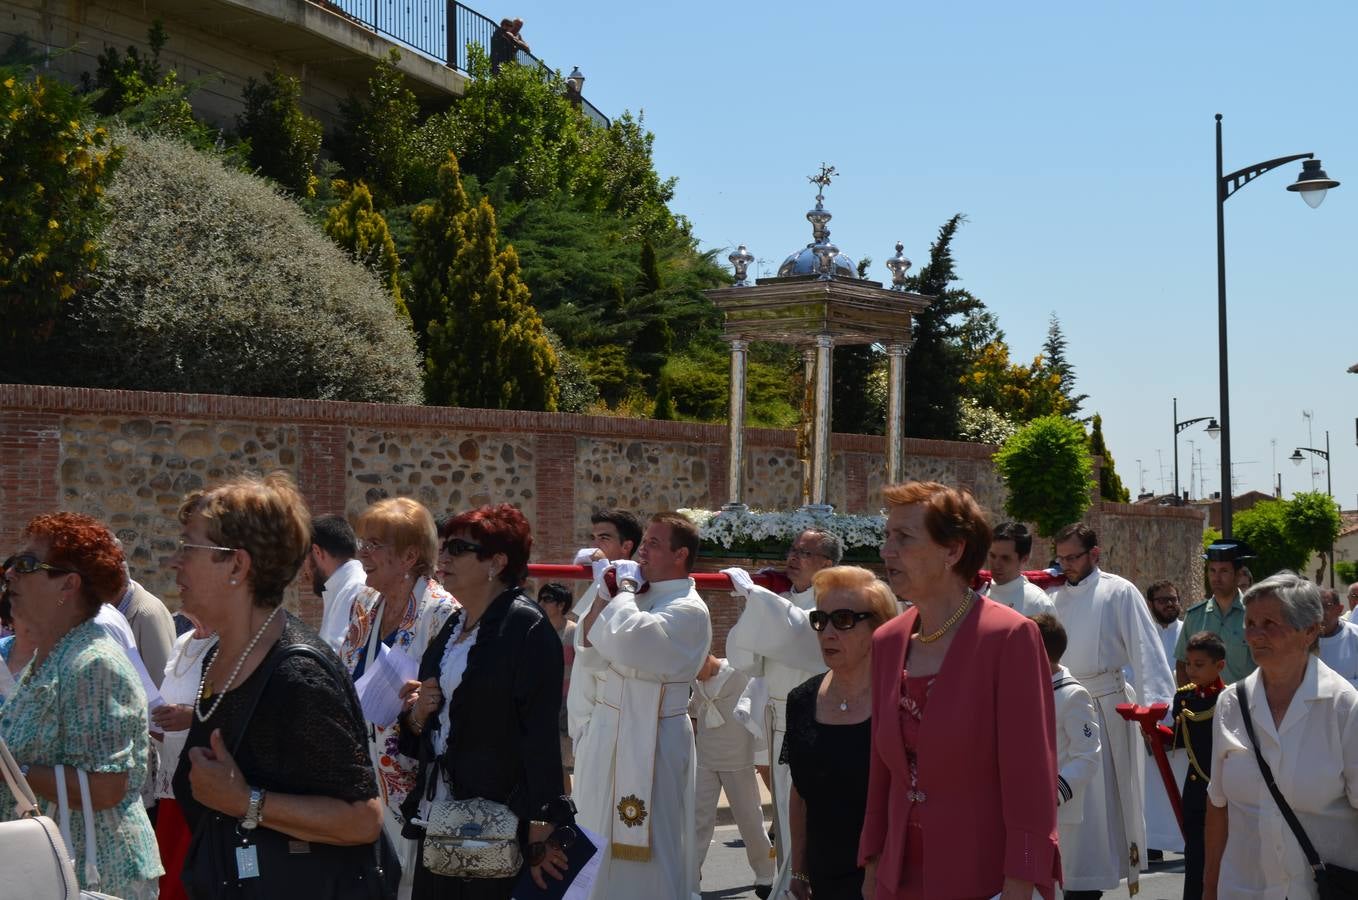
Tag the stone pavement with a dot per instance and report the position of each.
(726, 875)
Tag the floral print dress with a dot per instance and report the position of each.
(84, 708)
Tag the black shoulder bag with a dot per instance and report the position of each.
(1333, 882)
(287, 868)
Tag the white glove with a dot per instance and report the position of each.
(585, 556)
(741, 582)
(628, 571)
(600, 566)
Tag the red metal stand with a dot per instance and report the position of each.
(1148, 717)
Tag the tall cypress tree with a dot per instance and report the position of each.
(363, 231)
(487, 346)
(1054, 360)
(438, 237)
(1110, 485)
(655, 342)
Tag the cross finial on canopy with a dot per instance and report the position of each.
(821, 179)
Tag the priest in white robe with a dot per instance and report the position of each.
(1109, 627)
(773, 641)
(1162, 826)
(636, 760)
(1011, 546)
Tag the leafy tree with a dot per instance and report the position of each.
(1015, 391)
(983, 425)
(1313, 521)
(576, 393)
(54, 167)
(437, 237)
(855, 409)
(1264, 527)
(1055, 362)
(1047, 473)
(284, 141)
(938, 360)
(377, 139)
(124, 80)
(213, 282)
(1110, 485)
(357, 227)
(487, 346)
(1346, 570)
(616, 174)
(664, 403)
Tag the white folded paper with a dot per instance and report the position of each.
(379, 689)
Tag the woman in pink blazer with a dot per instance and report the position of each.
(962, 782)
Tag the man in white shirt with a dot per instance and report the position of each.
(1353, 602)
(636, 760)
(1162, 826)
(772, 641)
(1338, 639)
(336, 576)
(726, 763)
(1010, 548)
(1109, 627)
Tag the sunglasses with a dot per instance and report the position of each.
(27, 564)
(459, 547)
(842, 619)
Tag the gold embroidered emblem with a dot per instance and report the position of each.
(632, 811)
(1136, 856)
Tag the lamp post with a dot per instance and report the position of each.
(1312, 184)
(1297, 459)
(1213, 429)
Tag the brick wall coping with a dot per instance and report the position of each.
(96, 401)
(1151, 511)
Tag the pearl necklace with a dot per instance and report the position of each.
(202, 682)
(952, 620)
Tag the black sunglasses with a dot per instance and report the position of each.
(459, 547)
(842, 619)
(27, 564)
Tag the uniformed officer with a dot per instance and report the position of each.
(1194, 704)
(1223, 613)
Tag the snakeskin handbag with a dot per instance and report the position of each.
(471, 839)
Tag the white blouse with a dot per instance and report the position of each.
(1314, 758)
(183, 676)
(451, 669)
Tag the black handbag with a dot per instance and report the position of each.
(1333, 882)
(289, 868)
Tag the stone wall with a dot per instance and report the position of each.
(129, 457)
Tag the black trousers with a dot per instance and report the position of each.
(1195, 826)
(428, 886)
(838, 887)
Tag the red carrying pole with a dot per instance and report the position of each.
(1148, 717)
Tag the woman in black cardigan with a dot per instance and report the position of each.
(498, 663)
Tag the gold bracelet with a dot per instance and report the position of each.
(802, 877)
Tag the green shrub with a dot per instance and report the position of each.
(216, 283)
(284, 141)
(1048, 473)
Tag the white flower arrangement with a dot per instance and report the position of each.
(775, 531)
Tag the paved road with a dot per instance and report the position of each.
(726, 875)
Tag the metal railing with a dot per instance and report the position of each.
(442, 30)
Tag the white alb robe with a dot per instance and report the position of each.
(649, 644)
(773, 640)
(1109, 626)
(1162, 826)
(1340, 652)
(1022, 596)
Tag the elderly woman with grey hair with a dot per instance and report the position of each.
(1303, 718)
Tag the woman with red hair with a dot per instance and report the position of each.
(962, 775)
(483, 718)
(80, 703)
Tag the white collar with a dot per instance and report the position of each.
(344, 574)
(1061, 672)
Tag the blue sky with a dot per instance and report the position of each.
(1078, 140)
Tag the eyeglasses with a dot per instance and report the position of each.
(842, 619)
(799, 553)
(1164, 599)
(367, 545)
(181, 546)
(27, 564)
(1067, 560)
(459, 547)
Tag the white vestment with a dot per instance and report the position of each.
(1340, 652)
(345, 585)
(1109, 626)
(1162, 826)
(648, 647)
(773, 640)
(1022, 596)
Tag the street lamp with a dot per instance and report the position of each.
(1312, 184)
(1297, 459)
(1213, 429)
(576, 82)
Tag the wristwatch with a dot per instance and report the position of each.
(254, 813)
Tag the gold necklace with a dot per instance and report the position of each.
(952, 620)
